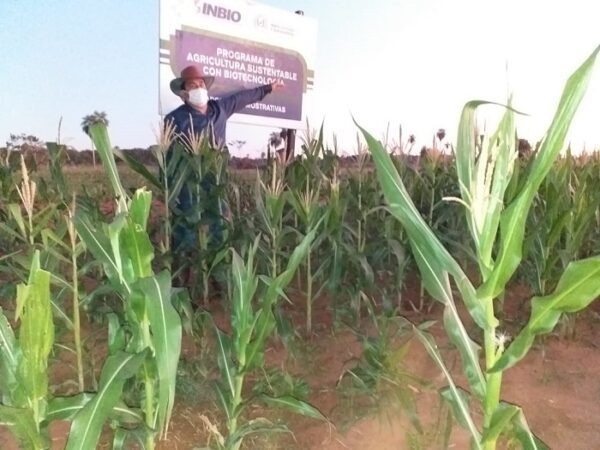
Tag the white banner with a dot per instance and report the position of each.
(242, 44)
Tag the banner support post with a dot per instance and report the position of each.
(290, 133)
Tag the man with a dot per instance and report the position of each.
(198, 112)
(196, 115)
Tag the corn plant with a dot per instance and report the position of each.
(498, 232)
(24, 362)
(308, 211)
(243, 352)
(270, 200)
(381, 378)
(150, 348)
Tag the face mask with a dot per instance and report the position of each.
(198, 97)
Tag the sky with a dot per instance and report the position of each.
(388, 63)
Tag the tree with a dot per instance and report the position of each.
(275, 142)
(87, 122)
(238, 145)
(28, 145)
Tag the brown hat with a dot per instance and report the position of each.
(189, 73)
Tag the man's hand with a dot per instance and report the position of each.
(277, 86)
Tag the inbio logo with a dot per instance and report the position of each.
(221, 13)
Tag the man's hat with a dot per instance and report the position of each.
(189, 73)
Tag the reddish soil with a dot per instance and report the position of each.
(557, 385)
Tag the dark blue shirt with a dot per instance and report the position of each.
(185, 118)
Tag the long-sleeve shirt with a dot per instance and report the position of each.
(185, 118)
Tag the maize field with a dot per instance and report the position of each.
(383, 301)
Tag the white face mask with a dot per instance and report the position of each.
(198, 97)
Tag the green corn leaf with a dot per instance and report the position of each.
(87, 424)
(9, 232)
(297, 257)
(577, 288)
(98, 244)
(56, 153)
(99, 134)
(49, 235)
(450, 396)
(41, 220)
(15, 211)
(139, 208)
(501, 419)
(126, 415)
(124, 264)
(124, 436)
(36, 337)
(454, 394)
(524, 435)
(259, 425)
(223, 359)
(136, 244)
(494, 171)
(138, 167)
(512, 222)
(508, 417)
(10, 355)
(65, 408)
(178, 172)
(245, 284)
(295, 405)
(21, 423)
(116, 334)
(435, 263)
(166, 337)
(224, 398)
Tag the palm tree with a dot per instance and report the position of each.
(88, 121)
(275, 140)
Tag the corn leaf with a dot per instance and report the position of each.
(295, 405)
(36, 337)
(524, 435)
(10, 355)
(137, 247)
(98, 244)
(65, 408)
(123, 436)
(453, 393)
(116, 334)
(260, 425)
(512, 222)
(99, 134)
(501, 419)
(139, 208)
(166, 337)
(21, 423)
(245, 283)
(227, 369)
(493, 167)
(138, 167)
(15, 211)
(87, 424)
(577, 288)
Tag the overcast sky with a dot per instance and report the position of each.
(387, 62)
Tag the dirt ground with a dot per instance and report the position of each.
(557, 385)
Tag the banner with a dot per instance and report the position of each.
(242, 44)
